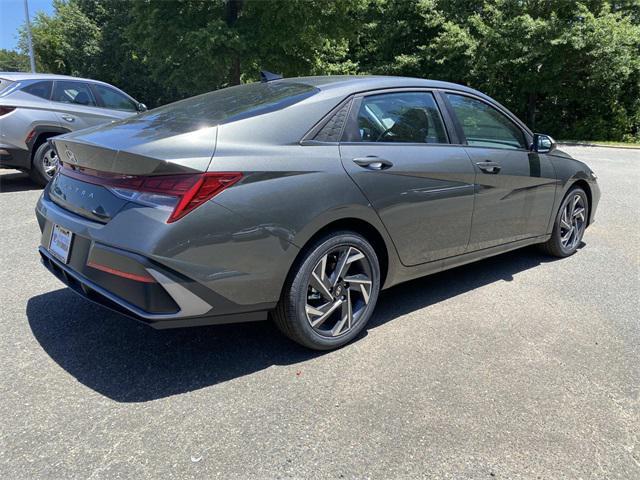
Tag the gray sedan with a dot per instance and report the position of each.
(300, 199)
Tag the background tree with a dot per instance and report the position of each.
(569, 68)
(11, 61)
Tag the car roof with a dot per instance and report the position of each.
(18, 76)
(356, 83)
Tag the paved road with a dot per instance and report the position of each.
(516, 367)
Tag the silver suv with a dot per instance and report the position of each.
(35, 107)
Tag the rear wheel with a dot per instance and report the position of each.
(331, 293)
(45, 164)
(570, 224)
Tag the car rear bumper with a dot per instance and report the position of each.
(142, 287)
(95, 293)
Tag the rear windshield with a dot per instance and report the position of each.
(227, 105)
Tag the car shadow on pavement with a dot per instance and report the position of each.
(130, 362)
(17, 182)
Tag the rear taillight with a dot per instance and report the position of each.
(5, 110)
(179, 194)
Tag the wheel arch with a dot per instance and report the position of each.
(584, 185)
(41, 134)
(382, 246)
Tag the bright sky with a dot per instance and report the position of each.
(12, 18)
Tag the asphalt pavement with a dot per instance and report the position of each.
(520, 366)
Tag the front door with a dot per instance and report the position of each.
(515, 187)
(397, 151)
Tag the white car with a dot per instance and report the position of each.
(35, 107)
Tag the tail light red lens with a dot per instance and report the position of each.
(5, 110)
(207, 186)
(181, 193)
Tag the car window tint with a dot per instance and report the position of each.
(73, 92)
(485, 126)
(114, 99)
(39, 89)
(332, 130)
(226, 105)
(4, 83)
(410, 117)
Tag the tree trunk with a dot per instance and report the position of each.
(233, 8)
(531, 110)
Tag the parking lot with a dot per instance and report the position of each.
(519, 366)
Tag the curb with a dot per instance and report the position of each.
(598, 145)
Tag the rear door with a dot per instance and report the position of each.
(76, 105)
(515, 187)
(398, 151)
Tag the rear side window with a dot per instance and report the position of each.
(227, 105)
(484, 126)
(332, 130)
(4, 83)
(411, 117)
(111, 98)
(39, 89)
(77, 93)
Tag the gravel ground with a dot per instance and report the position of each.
(514, 367)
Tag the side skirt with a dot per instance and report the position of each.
(411, 273)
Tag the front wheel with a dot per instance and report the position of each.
(570, 224)
(331, 292)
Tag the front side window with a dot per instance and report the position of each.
(39, 89)
(73, 92)
(114, 99)
(404, 117)
(484, 126)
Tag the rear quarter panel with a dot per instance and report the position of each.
(30, 113)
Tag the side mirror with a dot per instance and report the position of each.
(543, 143)
(142, 107)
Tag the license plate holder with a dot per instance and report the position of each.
(60, 243)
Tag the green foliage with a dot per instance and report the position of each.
(67, 42)
(11, 61)
(569, 68)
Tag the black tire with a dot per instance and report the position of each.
(38, 171)
(291, 315)
(555, 246)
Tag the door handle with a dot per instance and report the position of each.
(489, 167)
(373, 163)
(68, 118)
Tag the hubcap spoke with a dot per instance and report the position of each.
(319, 280)
(347, 316)
(359, 283)
(343, 261)
(323, 314)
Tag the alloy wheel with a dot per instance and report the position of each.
(50, 162)
(572, 222)
(338, 291)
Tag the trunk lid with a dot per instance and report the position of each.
(137, 147)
